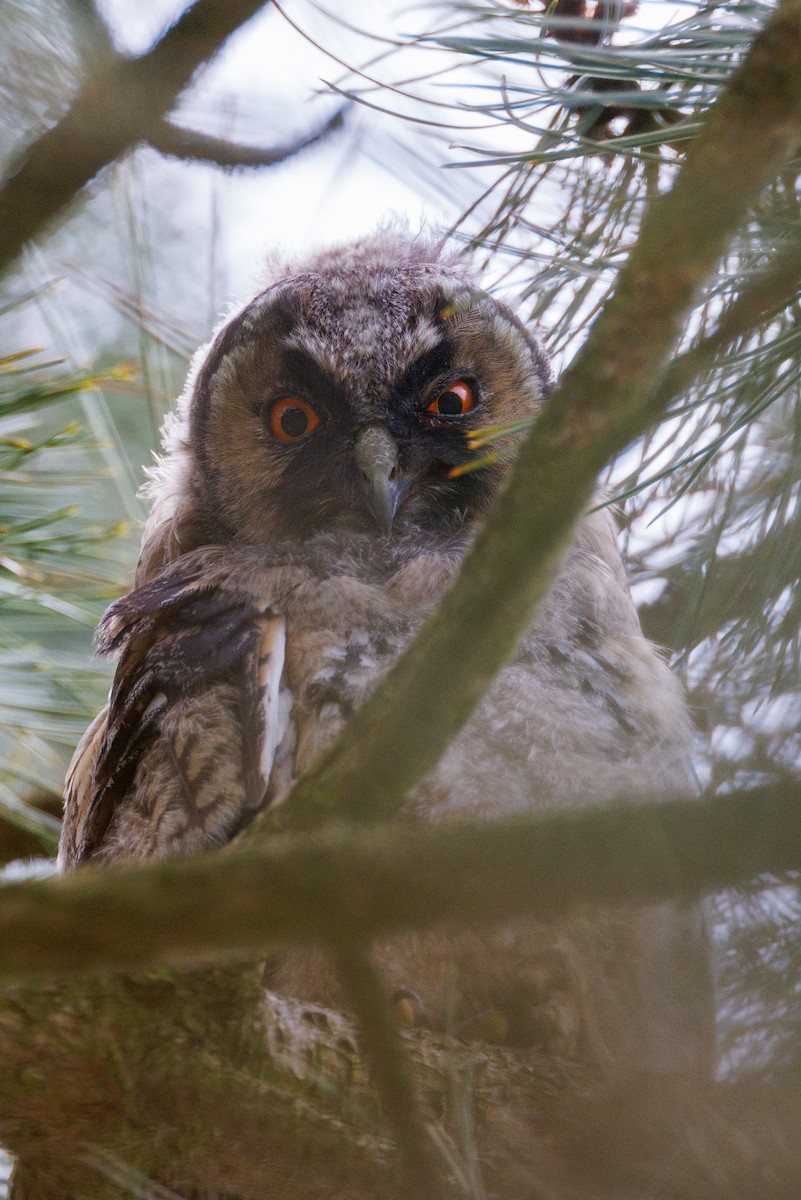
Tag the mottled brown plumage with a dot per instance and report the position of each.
(305, 521)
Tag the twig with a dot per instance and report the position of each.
(179, 142)
(366, 998)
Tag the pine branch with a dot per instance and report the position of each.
(349, 883)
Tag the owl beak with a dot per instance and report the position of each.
(377, 459)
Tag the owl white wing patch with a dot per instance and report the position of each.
(183, 647)
(270, 719)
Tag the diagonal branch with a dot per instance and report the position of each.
(607, 398)
(349, 882)
(91, 34)
(120, 104)
(179, 142)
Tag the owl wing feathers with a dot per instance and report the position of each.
(177, 639)
(78, 789)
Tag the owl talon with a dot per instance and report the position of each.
(537, 1007)
(408, 1009)
(551, 1026)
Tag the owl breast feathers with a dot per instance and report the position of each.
(308, 514)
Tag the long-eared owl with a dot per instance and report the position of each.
(307, 516)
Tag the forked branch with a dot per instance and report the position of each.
(123, 101)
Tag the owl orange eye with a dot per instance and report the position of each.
(292, 419)
(456, 401)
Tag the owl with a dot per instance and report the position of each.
(310, 510)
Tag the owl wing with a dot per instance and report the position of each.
(183, 753)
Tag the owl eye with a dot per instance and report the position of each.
(456, 401)
(292, 419)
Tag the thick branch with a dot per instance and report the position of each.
(349, 882)
(605, 400)
(155, 1072)
(192, 1081)
(119, 105)
(180, 142)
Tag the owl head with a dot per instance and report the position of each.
(343, 397)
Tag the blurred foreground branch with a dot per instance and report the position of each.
(367, 998)
(348, 882)
(199, 1085)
